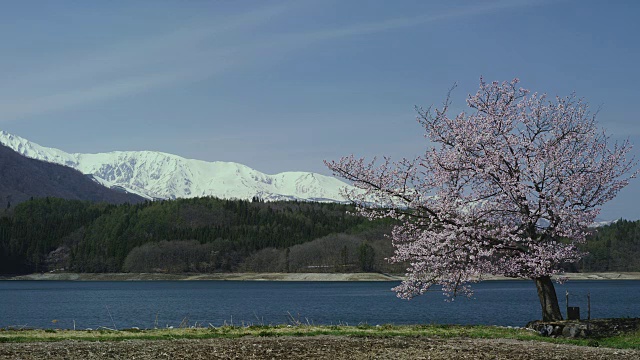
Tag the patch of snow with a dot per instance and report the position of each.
(598, 224)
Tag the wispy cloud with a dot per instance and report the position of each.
(421, 19)
(128, 67)
(170, 48)
(59, 101)
(183, 55)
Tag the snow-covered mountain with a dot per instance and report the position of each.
(160, 175)
(600, 223)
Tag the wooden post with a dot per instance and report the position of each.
(589, 305)
(567, 298)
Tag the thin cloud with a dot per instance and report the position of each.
(184, 55)
(129, 67)
(60, 101)
(403, 22)
(162, 48)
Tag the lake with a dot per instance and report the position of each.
(148, 304)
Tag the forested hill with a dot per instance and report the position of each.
(615, 247)
(212, 235)
(200, 234)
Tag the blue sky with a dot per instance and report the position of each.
(282, 85)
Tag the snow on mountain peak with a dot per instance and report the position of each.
(35, 151)
(154, 174)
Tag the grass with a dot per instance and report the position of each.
(625, 341)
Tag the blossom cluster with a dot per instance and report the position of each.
(507, 188)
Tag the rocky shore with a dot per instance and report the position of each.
(277, 276)
(213, 276)
(594, 328)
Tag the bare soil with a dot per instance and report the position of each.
(315, 347)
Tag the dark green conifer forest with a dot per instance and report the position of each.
(186, 235)
(203, 235)
(614, 247)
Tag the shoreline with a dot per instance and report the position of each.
(277, 277)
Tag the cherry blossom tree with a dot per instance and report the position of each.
(507, 188)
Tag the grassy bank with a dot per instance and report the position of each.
(624, 341)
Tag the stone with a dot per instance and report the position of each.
(572, 331)
(546, 330)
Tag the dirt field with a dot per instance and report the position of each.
(315, 347)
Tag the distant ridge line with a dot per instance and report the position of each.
(159, 175)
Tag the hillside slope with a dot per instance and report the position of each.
(22, 178)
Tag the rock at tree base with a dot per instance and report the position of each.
(595, 328)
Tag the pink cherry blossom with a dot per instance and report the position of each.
(507, 188)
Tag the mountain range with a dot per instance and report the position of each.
(22, 178)
(157, 175)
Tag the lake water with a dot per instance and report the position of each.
(147, 304)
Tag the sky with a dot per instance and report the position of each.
(283, 85)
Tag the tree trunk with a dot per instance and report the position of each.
(548, 299)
